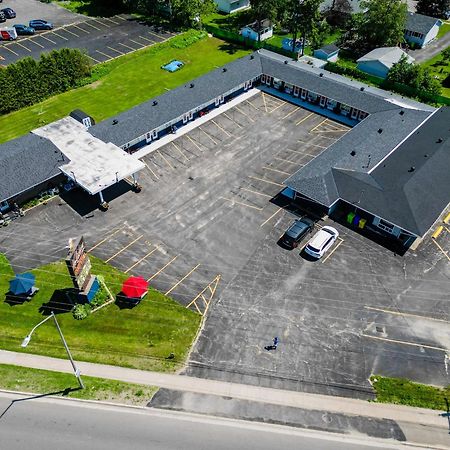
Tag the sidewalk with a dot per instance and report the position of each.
(419, 416)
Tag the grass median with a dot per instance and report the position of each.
(46, 382)
(142, 337)
(126, 82)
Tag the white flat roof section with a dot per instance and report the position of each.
(94, 165)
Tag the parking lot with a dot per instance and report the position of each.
(206, 224)
(102, 38)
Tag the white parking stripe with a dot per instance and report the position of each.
(62, 37)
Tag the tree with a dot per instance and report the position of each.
(262, 9)
(187, 13)
(433, 8)
(382, 24)
(339, 13)
(303, 20)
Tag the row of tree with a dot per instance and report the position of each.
(28, 81)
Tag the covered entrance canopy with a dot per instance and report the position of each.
(94, 165)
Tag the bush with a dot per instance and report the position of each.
(80, 312)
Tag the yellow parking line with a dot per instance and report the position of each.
(227, 116)
(62, 37)
(179, 282)
(23, 46)
(334, 249)
(115, 50)
(104, 54)
(256, 192)
(398, 313)
(267, 181)
(96, 60)
(162, 268)
(124, 248)
(205, 133)
(276, 170)
(245, 114)
(112, 21)
(90, 25)
(241, 203)
(220, 128)
(101, 23)
(252, 105)
(104, 240)
(272, 216)
(276, 107)
(414, 344)
(36, 43)
(179, 150)
(126, 46)
(195, 143)
(304, 118)
(286, 160)
(148, 167)
(289, 114)
(81, 29)
(142, 259)
(264, 101)
(317, 126)
(441, 249)
(47, 39)
(12, 51)
(165, 159)
(70, 32)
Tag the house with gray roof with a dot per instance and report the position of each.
(379, 61)
(230, 6)
(420, 30)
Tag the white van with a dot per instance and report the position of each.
(8, 34)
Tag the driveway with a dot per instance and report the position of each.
(431, 50)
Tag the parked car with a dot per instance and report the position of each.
(2, 17)
(296, 232)
(321, 241)
(23, 29)
(39, 24)
(9, 13)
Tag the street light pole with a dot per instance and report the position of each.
(27, 339)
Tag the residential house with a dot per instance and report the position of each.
(328, 52)
(379, 61)
(230, 6)
(420, 30)
(264, 28)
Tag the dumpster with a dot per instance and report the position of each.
(362, 223)
(350, 217)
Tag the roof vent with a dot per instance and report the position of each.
(286, 61)
(426, 155)
(411, 169)
(154, 103)
(224, 69)
(380, 130)
(252, 57)
(353, 153)
(402, 112)
(440, 141)
(115, 122)
(191, 85)
(361, 88)
(320, 74)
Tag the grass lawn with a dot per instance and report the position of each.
(443, 30)
(36, 381)
(142, 337)
(404, 392)
(439, 69)
(124, 83)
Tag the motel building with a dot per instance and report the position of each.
(387, 176)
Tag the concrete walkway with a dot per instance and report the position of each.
(423, 417)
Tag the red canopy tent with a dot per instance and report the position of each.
(135, 287)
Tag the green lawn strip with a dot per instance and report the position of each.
(37, 381)
(404, 392)
(439, 69)
(124, 83)
(443, 30)
(142, 337)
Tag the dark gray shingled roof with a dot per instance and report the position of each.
(329, 49)
(409, 188)
(419, 22)
(145, 117)
(26, 162)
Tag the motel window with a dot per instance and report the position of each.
(269, 80)
(247, 85)
(303, 94)
(354, 114)
(345, 109)
(263, 78)
(312, 97)
(323, 101)
(331, 104)
(288, 88)
(296, 91)
(386, 226)
(277, 83)
(362, 115)
(191, 115)
(185, 118)
(154, 134)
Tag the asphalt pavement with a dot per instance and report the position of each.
(54, 424)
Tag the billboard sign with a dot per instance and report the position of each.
(79, 264)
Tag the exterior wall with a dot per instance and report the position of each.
(373, 68)
(324, 56)
(420, 39)
(386, 226)
(248, 33)
(431, 35)
(229, 6)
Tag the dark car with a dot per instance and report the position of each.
(39, 24)
(2, 17)
(9, 13)
(296, 232)
(23, 30)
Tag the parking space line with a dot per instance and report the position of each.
(123, 249)
(276, 107)
(241, 203)
(126, 46)
(62, 37)
(272, 216)
(317, 126)
(142, 259)
(92, 26)
(148, 167)
(398, 313)
(81, 29)
(157, 35)
(309, 143)
(146, 39)
(138, 43)
(179, 150)
(414, 344)
(104, 54)
(115, 50)
(334, 249)
(220, 128)
(165, 159)
(112, 21)
(70, 32)
(264, 101)
(96, 60)
(162, 268)
(101, 23)
(441, 249)
(204, 132)
(206, 302)
(195, 143)
(267, 181)
(286, 160)
(35, 43)
(245, 114)
(179, 282)
(119, 17)
(104, 240)
(289, 114)
(304, 118)
(47, 39)
(228, 117)
(256, 192)
(23, 46)
(276, 170)
(252, 105)
(6, 47)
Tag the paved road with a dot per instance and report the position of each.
(53, 424)
(431, 50)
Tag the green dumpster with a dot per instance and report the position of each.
(350, 217)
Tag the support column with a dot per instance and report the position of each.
(136, 186)
(103, 204)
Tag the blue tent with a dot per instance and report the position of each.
(22, 284)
